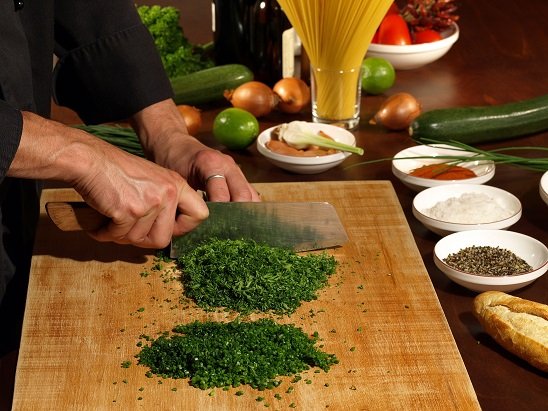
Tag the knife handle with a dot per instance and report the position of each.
(75, 216)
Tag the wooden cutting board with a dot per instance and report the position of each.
(89, 303)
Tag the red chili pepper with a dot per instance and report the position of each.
(426, 36)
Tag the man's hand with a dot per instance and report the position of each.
(146, 202)
(147, 205)
(164, 136)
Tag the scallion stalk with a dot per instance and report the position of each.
(296, 134)
(497, 156)
(124, 138)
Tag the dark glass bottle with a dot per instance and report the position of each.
(250, 32)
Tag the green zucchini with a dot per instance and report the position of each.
(208, 85)
(474, 125)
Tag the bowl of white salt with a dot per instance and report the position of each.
(462, 207)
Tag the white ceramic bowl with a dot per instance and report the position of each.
(415, 55)
(543, 187)
(484, 170)
(531, 250)
(308, 165)
(429, 197)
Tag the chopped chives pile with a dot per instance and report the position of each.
(215, 354)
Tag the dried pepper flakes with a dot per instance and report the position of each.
(246, 276)
(215, 354)
(487, 261)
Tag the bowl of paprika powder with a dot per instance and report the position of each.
(426, 166)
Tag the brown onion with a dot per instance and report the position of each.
(397, 112)
(192, 117)
(253, 96)
(294, 94)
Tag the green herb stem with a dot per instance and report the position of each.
(124, 138)
(497, 156)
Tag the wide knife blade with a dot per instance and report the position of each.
(302, 226)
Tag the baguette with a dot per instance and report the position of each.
(518, 325)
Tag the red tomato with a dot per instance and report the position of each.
(392, 10)
(394, 30)
(427, 36)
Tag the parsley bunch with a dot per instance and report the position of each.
(215, 354)
(246, 276)
(178, 55)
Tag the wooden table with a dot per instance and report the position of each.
(499, 57)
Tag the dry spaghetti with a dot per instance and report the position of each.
(335, 35)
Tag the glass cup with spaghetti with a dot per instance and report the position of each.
(336, 95)
(335, 35)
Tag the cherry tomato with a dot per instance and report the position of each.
(394, 30)
(427, 36)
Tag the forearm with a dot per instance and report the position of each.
(161, 129)
(139, 197)
(49, 150)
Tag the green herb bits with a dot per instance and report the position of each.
(246, 276)
(215, 354)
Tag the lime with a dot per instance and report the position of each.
(235, 128)
(378, 75)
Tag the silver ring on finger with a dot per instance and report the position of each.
(211, 177)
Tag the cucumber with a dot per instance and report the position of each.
(471, 125)
(208, 85)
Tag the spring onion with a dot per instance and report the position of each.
(122, 137)
(296, 134)
(497, 156)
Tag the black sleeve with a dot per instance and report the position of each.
(108, 65)
(10, 135)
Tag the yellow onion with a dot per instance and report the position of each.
(192, 117)
(253, 96)
(397, 112)
(294, 94)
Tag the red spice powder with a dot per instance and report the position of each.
(443, 172)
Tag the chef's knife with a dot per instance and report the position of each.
(302, 226)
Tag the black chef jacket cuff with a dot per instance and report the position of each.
(11, 127)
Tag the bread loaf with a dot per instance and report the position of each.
(519, 325)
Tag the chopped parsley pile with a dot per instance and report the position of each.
(215, 354)
(245, 276)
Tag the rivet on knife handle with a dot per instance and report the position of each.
(75, 216)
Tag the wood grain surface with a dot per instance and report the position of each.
(89, 303)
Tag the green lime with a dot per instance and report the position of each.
(235, 128)
(378, 75)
